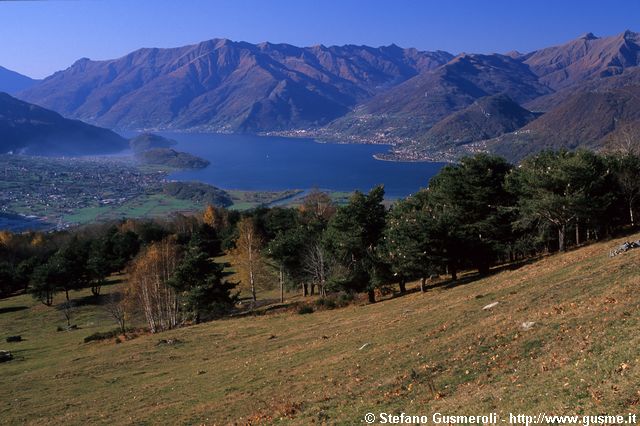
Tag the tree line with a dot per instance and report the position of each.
(474, 214)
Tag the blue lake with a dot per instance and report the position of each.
(276, 163)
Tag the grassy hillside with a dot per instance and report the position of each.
(420, 353)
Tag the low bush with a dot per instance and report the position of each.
(102, 335)
(306, 309)
(327, 303)
(345, 299)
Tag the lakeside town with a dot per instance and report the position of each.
(53, 188)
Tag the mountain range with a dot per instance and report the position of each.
(431, 104)
(222, 85)
(410, 109)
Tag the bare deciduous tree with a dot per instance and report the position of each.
(116, 307)
(319, 204)
(149, 289)
(318, 265)
(182, 224)
(627, 139)
(67, 311)
(626, 165)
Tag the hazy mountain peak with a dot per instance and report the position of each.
(588, 36)
(81, 62)
(414, 106)
(265, 45)
(216, 41)
(514, 54)
(628, 34)
(13, 82)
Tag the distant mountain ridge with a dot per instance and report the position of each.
(587, 56)
(486, 118)
(629, 77)
(422, 101)
(586, 88)
(410, 109)
(590, 119)
(12, 82)
(30, 129)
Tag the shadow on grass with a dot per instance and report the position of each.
(262, 307)
(12, 309)
(512, 266)
(475, 276)
(273, 305)
(19, 354)
(93, 300)
(467, 278)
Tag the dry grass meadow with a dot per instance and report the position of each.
(419, 353)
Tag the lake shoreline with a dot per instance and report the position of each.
(16, 222)
(276, 163)
(321, 138)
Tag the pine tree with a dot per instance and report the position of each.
(44, 283)
(352, 238)
(470, 207)
(200, 283)
(562, 189)
(285, 250)
(408, 240)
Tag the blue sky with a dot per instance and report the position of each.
(40, 37)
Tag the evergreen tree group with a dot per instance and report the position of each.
(473, 215)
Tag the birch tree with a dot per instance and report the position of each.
(116, 307)
(149, 277)
(247, 253)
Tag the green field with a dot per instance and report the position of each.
(245, 200)
(161, 205)
(420, 353)
(147, 206)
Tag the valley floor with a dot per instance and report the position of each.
(420, 354)
(48, 193)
